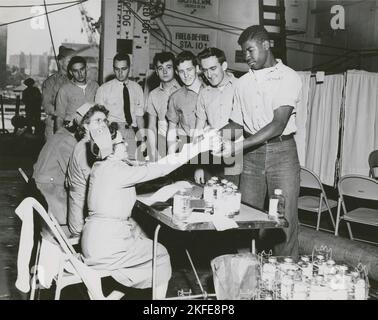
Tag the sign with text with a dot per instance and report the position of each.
(194, 39)
(201, 8)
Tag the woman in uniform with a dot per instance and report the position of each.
(108, 238)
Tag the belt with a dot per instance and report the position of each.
(129, 126)
(280, 138)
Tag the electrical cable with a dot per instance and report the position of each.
(39, 5)
(238, 28)
(203, 24)
(42, 14)
(51, 36)
(312, 52)
(140, 19)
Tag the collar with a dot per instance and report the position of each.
(173, 84)
(227, 79)
(196, 86)
(126, 82)
(266, 71)
(80, 85)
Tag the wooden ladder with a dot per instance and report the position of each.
(278, 38)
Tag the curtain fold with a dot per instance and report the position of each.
(322, 127)
(360, 135)
(301, 117)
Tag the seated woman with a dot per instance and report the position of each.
(80, 164)
(108, 237)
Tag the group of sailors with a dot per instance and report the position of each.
(84, 174)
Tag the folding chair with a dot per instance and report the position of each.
(73, 240)
(373, 163)
(71, 269)
(357, 187)
(315, 204)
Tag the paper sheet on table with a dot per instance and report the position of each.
(220, 223)
(164, 193)
(223, 223)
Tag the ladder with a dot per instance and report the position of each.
(278, 38)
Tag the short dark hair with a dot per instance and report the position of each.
(163, 57)
(76, 59)
(122, 56)
(186, 56)
(212, 52)
(80, 131)
(256, 32)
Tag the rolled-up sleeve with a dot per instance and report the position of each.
(139, 105)
(150, 105)
(61, 103)
(237, 111)
(172, 114)
(289, 91)
(200, 107)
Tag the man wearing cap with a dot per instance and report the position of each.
(125, 101)
(80, 164)
(51, 87)
(74, 93)
(264, 107)
(32, 99)
(51, 167)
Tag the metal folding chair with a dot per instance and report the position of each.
(357, 187)
(71, 269)
(315, 204)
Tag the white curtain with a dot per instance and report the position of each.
(301, 117)
(361, 122)
(323, 126)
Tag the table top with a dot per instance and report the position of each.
(248, 218)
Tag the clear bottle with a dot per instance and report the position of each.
(208, 194)
(307, 268)
(277, 204)
(320, 263)
(181, 206)
(269, 273)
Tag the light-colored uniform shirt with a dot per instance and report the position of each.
(52, 163)
(108, 239)
(50, 88)
(110, 94)
(182, 108)
(259, 93)
(157, 104)
(78, 171)
(71, 97)
(214, 104)
(50, 170)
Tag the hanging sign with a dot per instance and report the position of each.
(194, 39)
(202, 8)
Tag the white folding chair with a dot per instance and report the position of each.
(71, 269)
(357, 187)
(315, 204)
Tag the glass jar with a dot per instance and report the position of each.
(269, 274)
(181, 206)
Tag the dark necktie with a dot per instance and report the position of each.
(126, 105)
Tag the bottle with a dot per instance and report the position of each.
(277, 204)
(181, 206)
